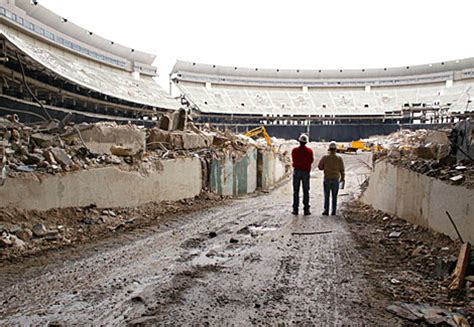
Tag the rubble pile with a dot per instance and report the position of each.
(28, 232)
(410, 263)
(426, 152)
(51, 148)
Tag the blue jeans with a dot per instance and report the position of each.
(300, 177)
(331, 187)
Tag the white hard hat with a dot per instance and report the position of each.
(303, 138)
(332, 145)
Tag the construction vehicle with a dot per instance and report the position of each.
(257, 131)
(359, 145)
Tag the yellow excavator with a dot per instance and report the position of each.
(257, 131)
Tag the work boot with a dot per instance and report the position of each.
(325, 213)
(307, 213)
(294, 212)
(333, 214)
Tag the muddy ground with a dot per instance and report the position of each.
(237, 263)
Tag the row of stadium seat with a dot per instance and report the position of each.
(295, 101)
(112, 83)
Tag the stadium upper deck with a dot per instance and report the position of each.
(364, 92)
(69, 67)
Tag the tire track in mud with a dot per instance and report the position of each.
(78, 276)
(178, 274)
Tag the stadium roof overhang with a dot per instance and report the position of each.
(430, 73)
(57, 22)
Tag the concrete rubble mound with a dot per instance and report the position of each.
(53, 147)
(432, 153)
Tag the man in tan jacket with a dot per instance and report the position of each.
(333, 167)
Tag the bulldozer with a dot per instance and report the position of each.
(257, 131)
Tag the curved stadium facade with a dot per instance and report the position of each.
(69, 69)
(328, 102)
(52, 67)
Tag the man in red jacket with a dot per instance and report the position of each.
(302, 157)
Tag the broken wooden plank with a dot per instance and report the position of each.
(312, 233)
(460, 271)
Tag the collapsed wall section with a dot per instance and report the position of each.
(421, 200)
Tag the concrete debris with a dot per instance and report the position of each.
(423, 256)
(432, 153)
(100, 137)
(43, 140)
(25, 234)
(121, 151)
(48, 149)
(457, 179)
(39, 230)
(423, 313)
(61, 157)
(9, 240)
(395, 234)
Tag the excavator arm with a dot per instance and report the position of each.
(257, 131)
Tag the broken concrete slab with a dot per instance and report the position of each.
(457, 179)
(101, 137)
(43, 140)
(121, 151)
(156, 138)
(432, 315)
(61, 157)
(425, 152)
(395, 234)
(25, 234)
(39, 230)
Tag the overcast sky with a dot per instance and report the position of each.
(282, 34)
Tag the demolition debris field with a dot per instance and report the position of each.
(247, 261)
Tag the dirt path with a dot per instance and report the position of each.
(236, 264)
